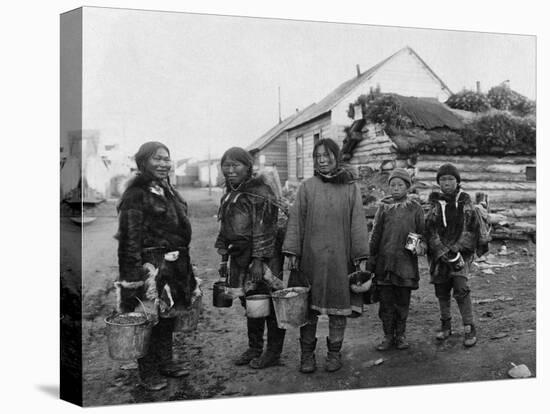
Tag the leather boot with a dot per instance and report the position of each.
(275, 339)
(255, 330)
(445, 330)
(153, 383)
(160, 352)
(167, 366)
(334, 357)
(401, 342)
(470, 337)
(386, 343)
(174, 370)
(307, 357)
(400, 339)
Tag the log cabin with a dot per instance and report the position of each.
(433, 140)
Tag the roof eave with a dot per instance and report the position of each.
(445, 87)
(315, 118)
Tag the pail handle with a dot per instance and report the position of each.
(286, 275)
(119, 300)
(143, 306)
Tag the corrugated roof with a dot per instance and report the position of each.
(428, 113)
(332, 99)
(426, 141)
(273, 133)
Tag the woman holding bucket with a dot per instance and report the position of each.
(247, 241)
(153, 255)
(326, 236)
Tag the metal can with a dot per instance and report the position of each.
(413, 239)
(457, 263)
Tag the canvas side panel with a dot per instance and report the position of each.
(71, 206)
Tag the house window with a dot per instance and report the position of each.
(315, 139)
(300, 157)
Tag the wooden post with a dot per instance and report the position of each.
(209, 174)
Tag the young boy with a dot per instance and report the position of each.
(396, 267)
(451, 236)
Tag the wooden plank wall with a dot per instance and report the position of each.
(373, 150)
(504, 179)
(276, 154)
(320, 126)
(407, 76)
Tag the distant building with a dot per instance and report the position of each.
(85, 176)
(215, 175)
(186, 172)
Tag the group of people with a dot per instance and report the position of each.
(324, 241)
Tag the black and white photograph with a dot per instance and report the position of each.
(342, 206)
(291, 206)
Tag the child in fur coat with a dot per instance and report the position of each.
(452, 232)
(395, 267)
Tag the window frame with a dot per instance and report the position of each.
(299, 143)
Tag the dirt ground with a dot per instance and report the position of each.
(504, 309)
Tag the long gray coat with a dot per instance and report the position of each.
(327, 231)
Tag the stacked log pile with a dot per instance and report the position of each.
(514, 223)
(503, 179)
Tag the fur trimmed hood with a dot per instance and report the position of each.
(255, 189)
(339, 176)
(388, 202)
(145, 183)
(459, 196)
(256, 185)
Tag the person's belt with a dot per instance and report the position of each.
(170, 254)
(160, 249)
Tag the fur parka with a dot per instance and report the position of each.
(153, 221)
(248, 218)
(248, 230)
(451, 227)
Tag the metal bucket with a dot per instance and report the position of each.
(128, 340)
(258, 306)
(220, 296)
(187, 319)
(291, 306)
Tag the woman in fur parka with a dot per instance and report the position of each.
(153, 255)
(247, 241)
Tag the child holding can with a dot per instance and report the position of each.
(451, 232)
(394, 246)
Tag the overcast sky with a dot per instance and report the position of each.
(197, 81)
